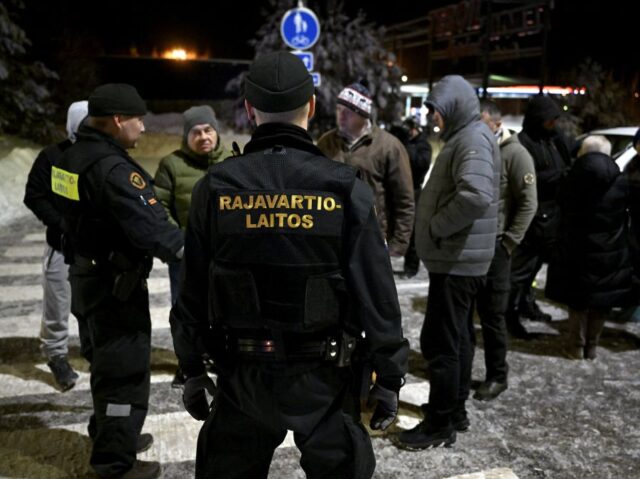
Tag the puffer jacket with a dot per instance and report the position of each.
(177, 174)
(456, 219)
(593, 269)
(384, 164)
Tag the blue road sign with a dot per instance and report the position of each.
(316, 79)
(306, 57)
(300, 28)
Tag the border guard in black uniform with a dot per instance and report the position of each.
(114, 225)
(284, 256)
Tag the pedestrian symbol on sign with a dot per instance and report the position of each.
(300, 28)
(306, 57)
(301, 25)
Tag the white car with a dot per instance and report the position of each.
(621, 148)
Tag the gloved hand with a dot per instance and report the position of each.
(194, 397)
(386, 402)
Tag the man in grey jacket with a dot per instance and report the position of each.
(517, 205)
(456, 227)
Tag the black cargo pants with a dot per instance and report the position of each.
(115, 338)
(256, 404)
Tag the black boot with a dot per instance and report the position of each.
(140, 470)
(427, 434)
(515, 327)
(178, 380)
(64, 375)
(532, 311)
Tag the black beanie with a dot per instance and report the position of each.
(116, 99)
(199, 115)
(543, 108)
(278, 82)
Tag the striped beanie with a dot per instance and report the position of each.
(357, 98)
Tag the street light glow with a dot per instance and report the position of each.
(179, 54)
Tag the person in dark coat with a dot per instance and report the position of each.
(597, 268)
(419, 151)
(114, 225)
(551, 157)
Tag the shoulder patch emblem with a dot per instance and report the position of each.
(137, 181)
(529, 178)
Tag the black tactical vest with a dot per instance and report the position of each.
(91, 232)
(277, 241)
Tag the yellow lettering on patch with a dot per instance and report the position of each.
(307, 221)
(225, 202)
(296, 202)
(64, 183)
(260, 203)
(283, 202)
(249, 204)
(237, 203)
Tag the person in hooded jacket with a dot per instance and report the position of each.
(596, 270)
(456, 227)
(551, 156)
(56, 302)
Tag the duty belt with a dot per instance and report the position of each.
(85, 262)
(331, 349)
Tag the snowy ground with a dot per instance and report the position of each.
(558, 419)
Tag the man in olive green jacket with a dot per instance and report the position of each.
(179, 171)
(516, 208)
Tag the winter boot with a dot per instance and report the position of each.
(64, 375)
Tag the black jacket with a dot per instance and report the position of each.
(117, 209)
(419, 151)
(551, 157)
(632, 171)
(38, 196)
(274, 160)
(594, 253)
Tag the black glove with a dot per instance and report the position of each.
(194, 397)
(386, 402)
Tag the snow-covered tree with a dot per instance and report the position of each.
(349, 50)
(604, 102)
(25, 109)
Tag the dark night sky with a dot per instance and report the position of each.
(603, 30)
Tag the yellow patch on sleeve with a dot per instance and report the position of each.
(153, 201)
(137, 181)
(64, 183)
